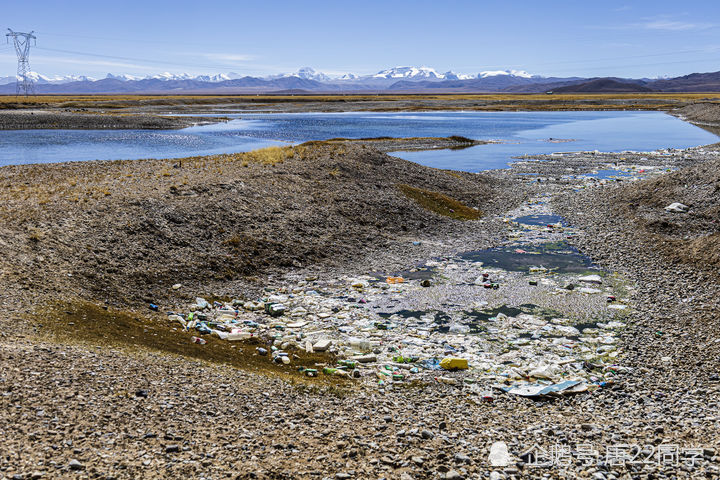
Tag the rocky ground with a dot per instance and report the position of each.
(703, 114)
(408, 144)
(97, 119)
(145, 402)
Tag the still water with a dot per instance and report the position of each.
(521, 133)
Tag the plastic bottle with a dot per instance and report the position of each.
(359, 344)
(235, 336)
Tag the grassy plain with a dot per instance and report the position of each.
(644, 101)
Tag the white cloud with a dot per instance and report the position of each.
(673, 25)
(91, 63)
(228, 57)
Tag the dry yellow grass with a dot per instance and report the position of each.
(125, 101)
(270, 155)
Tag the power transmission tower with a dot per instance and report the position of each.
(22, 48)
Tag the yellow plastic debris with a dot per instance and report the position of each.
(453, 363)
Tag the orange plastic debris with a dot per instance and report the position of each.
(392, 280)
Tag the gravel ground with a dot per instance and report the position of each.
(104, 411)
(94, 120)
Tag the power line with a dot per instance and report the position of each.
(111, 39)
(21, 41)
(141, 60)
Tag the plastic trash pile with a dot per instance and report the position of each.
(532, 332)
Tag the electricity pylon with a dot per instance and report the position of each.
(22, 48)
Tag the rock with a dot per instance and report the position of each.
(322, 345)
(75, 465)
(462, 458)
(499, 455)
(676, 207)
(425, 283)
(343, 476)
(172, 448)
(453, 475)
(141, 393)
(418, 460)
(496, 475)
(597, 279)
(177, 286)
(36, 475)
(427, 434)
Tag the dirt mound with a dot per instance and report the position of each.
(128, 230)
(691, 237)
(701, 113)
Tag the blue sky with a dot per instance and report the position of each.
(560, 38)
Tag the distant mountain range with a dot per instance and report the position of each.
(391, 80)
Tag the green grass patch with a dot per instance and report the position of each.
(439, 203)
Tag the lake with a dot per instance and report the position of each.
(521, 133)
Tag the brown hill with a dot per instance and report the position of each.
(127, 230)
(692, 237)
(603, 85)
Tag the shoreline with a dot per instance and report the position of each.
(159, 112)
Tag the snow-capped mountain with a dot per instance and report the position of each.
(311, 74)
(424, 73)
(399, 78)
(123, 77)
(512, 73)
(306, 73)
(44, 79)
(450, 75)
(383, 78)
